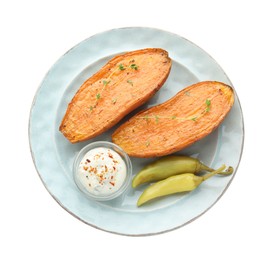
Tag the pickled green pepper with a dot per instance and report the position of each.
(178, 183)
(169, 166)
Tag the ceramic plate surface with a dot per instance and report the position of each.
(53, 155)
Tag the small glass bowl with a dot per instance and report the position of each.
(124, 157)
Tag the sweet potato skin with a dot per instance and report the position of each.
(123, 84)
(190, 115)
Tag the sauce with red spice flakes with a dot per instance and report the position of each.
(102, 171)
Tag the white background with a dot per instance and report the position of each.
(237, 34)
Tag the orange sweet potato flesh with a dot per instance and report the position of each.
(190, 115)
(123, 84)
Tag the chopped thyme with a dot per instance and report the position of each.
(121, 67)
(134, 66)
(91, 108)
(181, 119)
(156, 118)
(130, 82)
(208, 103)
(98, 96)
(105, 82)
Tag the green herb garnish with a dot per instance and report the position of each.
(114, 101)
(105, 82)
(98, 96)
(134, 66)
(130, 82)
(91, 108)
(208, 103)
(121, 67)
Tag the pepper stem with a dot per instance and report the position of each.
(204, 167)
(219, 170)
(228, 171)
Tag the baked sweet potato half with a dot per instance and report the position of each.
(123, 84)
(190, 115)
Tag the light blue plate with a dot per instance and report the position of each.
(53, 155)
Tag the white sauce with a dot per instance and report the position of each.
(102, 171)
